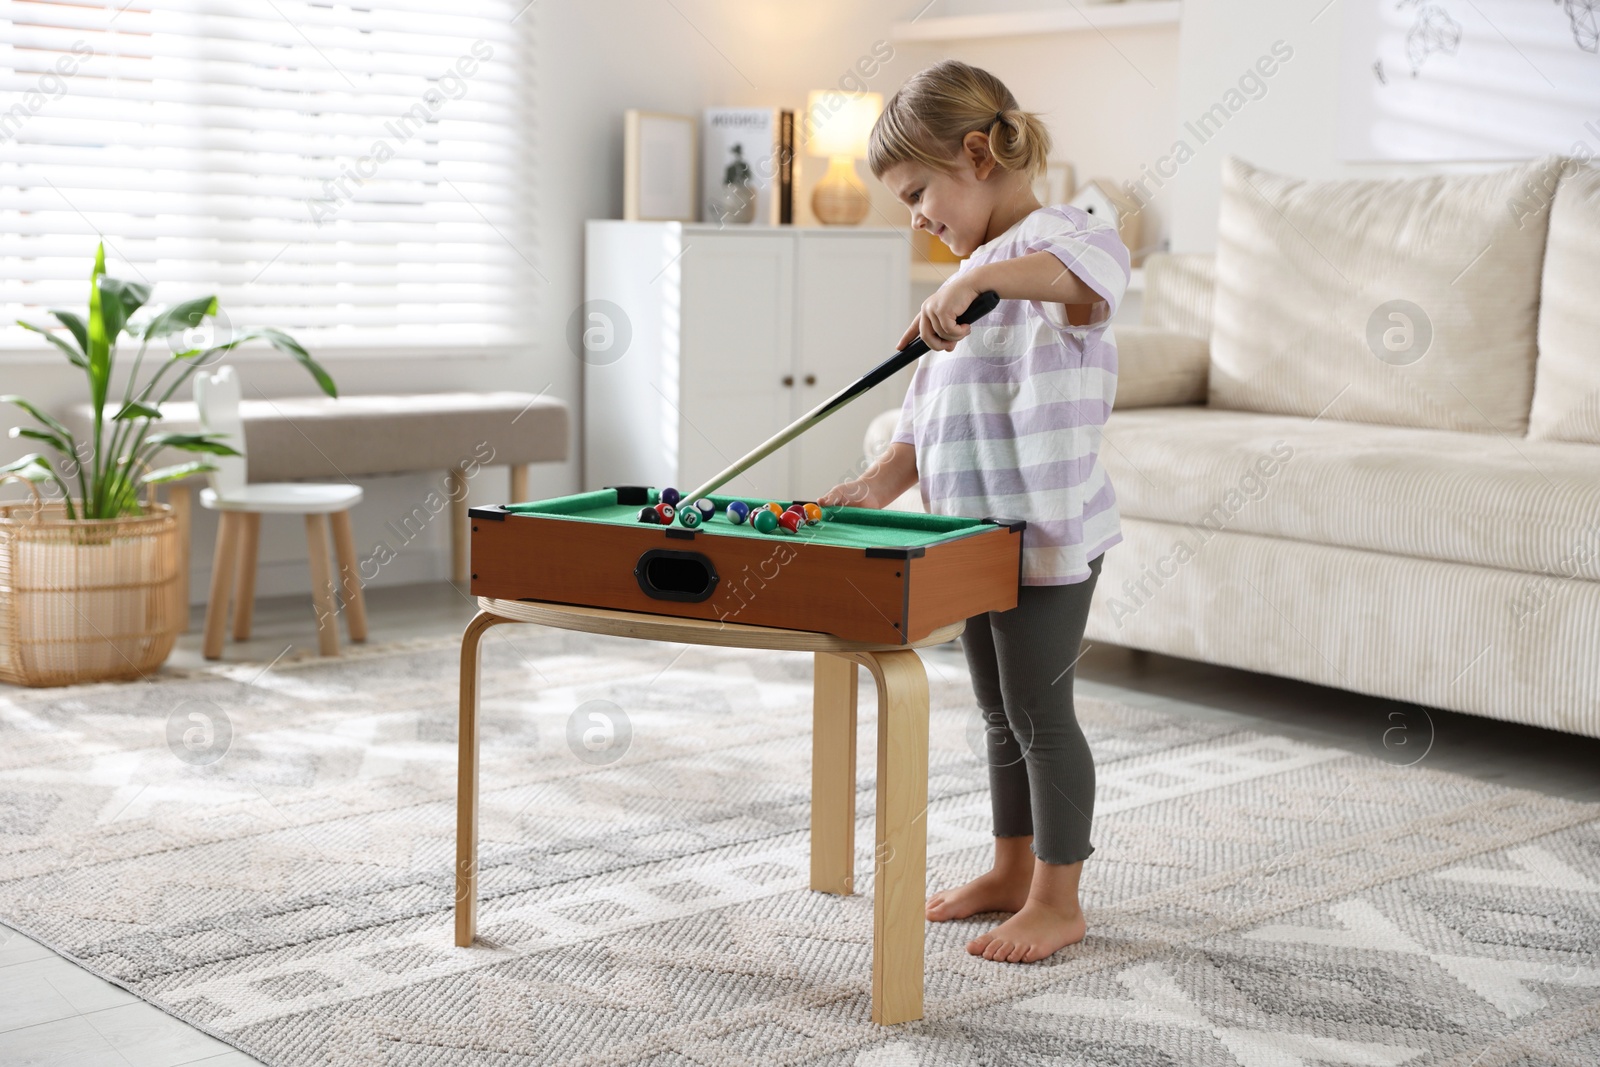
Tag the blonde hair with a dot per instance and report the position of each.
(927, 119)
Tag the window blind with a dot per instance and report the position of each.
(347, 172)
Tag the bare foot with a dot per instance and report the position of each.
(993, 890)
(1034, 932)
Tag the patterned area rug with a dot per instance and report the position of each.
(266, 853)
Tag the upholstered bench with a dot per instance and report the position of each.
(325, 439)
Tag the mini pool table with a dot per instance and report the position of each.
(886, 577)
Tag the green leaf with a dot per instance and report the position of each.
(135, 410)
(73, 354)
(177, 471)
(179, 317)
(99, 351)
(74, 322)
(193, 442)
(33, 467)
(283, 343)
(41, 435)
(126, 298)
(36, 413)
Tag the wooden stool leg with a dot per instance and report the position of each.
(322, 585)
(467, 781)
(519, 483)
(900, 870)
(459, 541)
(244, 601)
(222, 567)
(355, 604)
(833, 774)
(182, 502)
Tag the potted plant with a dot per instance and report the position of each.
(88, 579)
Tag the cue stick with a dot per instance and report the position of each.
(980, 307)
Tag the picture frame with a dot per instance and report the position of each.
(660, 157)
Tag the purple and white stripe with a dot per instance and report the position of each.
(1009, 424)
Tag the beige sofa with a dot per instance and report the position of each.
(1399, 499)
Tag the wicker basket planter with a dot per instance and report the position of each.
(86, 600)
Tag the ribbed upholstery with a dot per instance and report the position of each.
(1159, 368)
(1179, 288)
(1449, 635)
(1566, 392)
(296, 438)
(1305, 269)
(1429, 494)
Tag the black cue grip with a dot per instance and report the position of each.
(986, 302)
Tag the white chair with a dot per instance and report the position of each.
(241, 506)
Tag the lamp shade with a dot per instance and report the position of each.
(839, 122)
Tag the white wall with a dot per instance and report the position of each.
(1291, 128)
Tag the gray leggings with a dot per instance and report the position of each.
(1040, 768)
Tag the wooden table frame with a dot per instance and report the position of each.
(899, 880)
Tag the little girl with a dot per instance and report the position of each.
(1003, 419)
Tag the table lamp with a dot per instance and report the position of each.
(839, 125)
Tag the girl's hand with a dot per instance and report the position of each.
(891, 474)
(855, 494)
(936, 322)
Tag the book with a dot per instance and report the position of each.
(747, 166)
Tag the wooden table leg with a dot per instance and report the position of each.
(900, 868)
(460, 538)
(322, 585)
(467, 780)
(244, 601)
(182, 502)
(519, 483)
(222, 566)
(833, 774)
(355, 604)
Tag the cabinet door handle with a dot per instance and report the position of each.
(788, 381)
(811, 379)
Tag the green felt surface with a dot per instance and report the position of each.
(846, 527)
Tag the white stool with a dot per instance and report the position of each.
(241, 506)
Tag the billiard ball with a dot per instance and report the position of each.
(774, 507)
(764, 521)
(689, 517)
(671, 496)
(649, 515)
(665, 512)
(792, 520)
(813, 514)
(737, 511)
(706, 508)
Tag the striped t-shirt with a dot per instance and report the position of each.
(1009, 424)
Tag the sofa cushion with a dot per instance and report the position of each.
(1179, 290)
(1308, 279)
(1529, 506)
(1159, 368)
(1566, 390)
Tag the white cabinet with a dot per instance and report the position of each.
(709, 340)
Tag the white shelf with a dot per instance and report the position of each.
(925, 273)
(1074, 19)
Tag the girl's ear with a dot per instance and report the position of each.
(975, 149)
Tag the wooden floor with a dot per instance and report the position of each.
(53, 1012)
